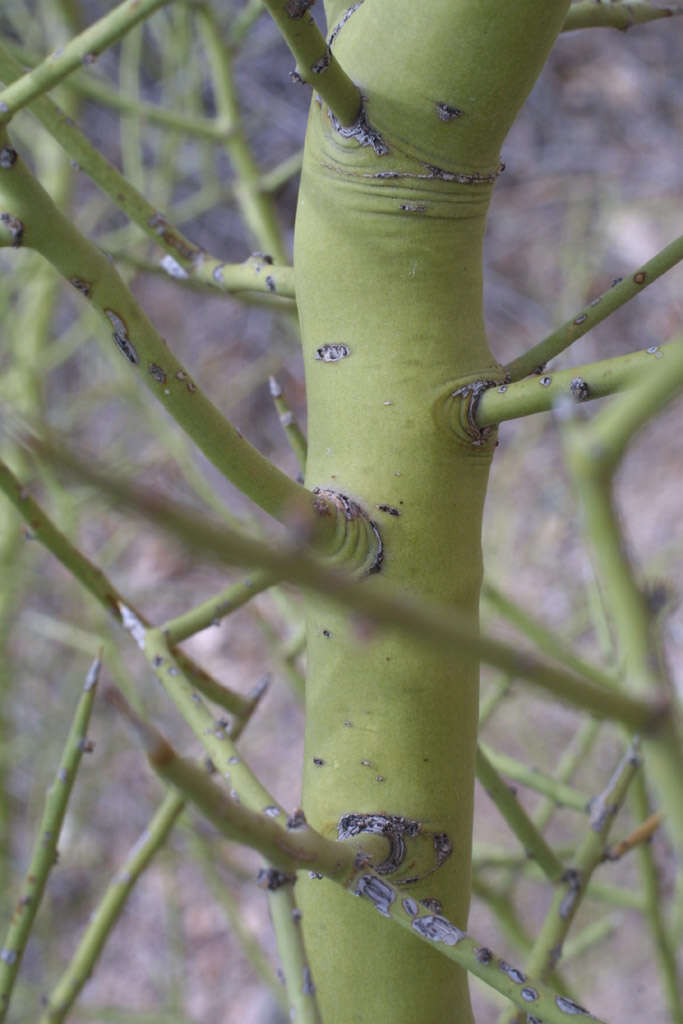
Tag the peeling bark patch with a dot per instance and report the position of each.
(513, 974)
(579, 389)
(272, 879)
(8, 157)
(379, 557)
(173, 268)
(15, 228)
(471, 394)
(362, 131)
(161, 227)
(323, 63)
(120, 336)
(297, 8)
(393, 827)
(189, 383)
(378, 892)
(131, 622)
(297, 820)
(438, 929)
(332, 353)
(308, 988)
(342, 21)
(447, 113)
(442, 847)
(81, 285)
(569, 1006)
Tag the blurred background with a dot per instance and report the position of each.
(592, 189)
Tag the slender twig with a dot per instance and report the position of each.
(203, 852)
(293, 431)
(569, 894)
(493, 699)
(102, 921)
(517, 818)
(83, 48)
(621, 290)
(590, 452)
(315, 62)
(44, 853)
(427, 623)
(211, 611)
(561, 794)
(666, 945)
(642, 834)
(215, 735)
(256, 207)
(579, 384)
(589, 14)
(544, 639)
(286, 918)
(101, 588)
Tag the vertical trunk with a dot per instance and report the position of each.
(388, 263)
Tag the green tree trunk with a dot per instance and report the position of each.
(388, 259)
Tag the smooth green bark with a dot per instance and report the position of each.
(388, 281)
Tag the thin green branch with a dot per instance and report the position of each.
(286, 918)
(427, 623)
(210, 612)
(579, 384)
(258, 273)
(315, 62)
(44, 853)
(349, 864)
(560, 794)
(542, 637)
(592, 14)
(257, 208)
(203, 853)
(621, 290)
(617, 424)
(214, 735)
(83, 49)
(666, 947)
(592, 464)
(105, 916)
(569, 895)
(101, 588)
(493, 699)
(517, 819)
(293, 431)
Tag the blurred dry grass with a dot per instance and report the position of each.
(592, 188)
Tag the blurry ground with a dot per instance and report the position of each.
(592, 189)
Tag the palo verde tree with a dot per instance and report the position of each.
(411, 106)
